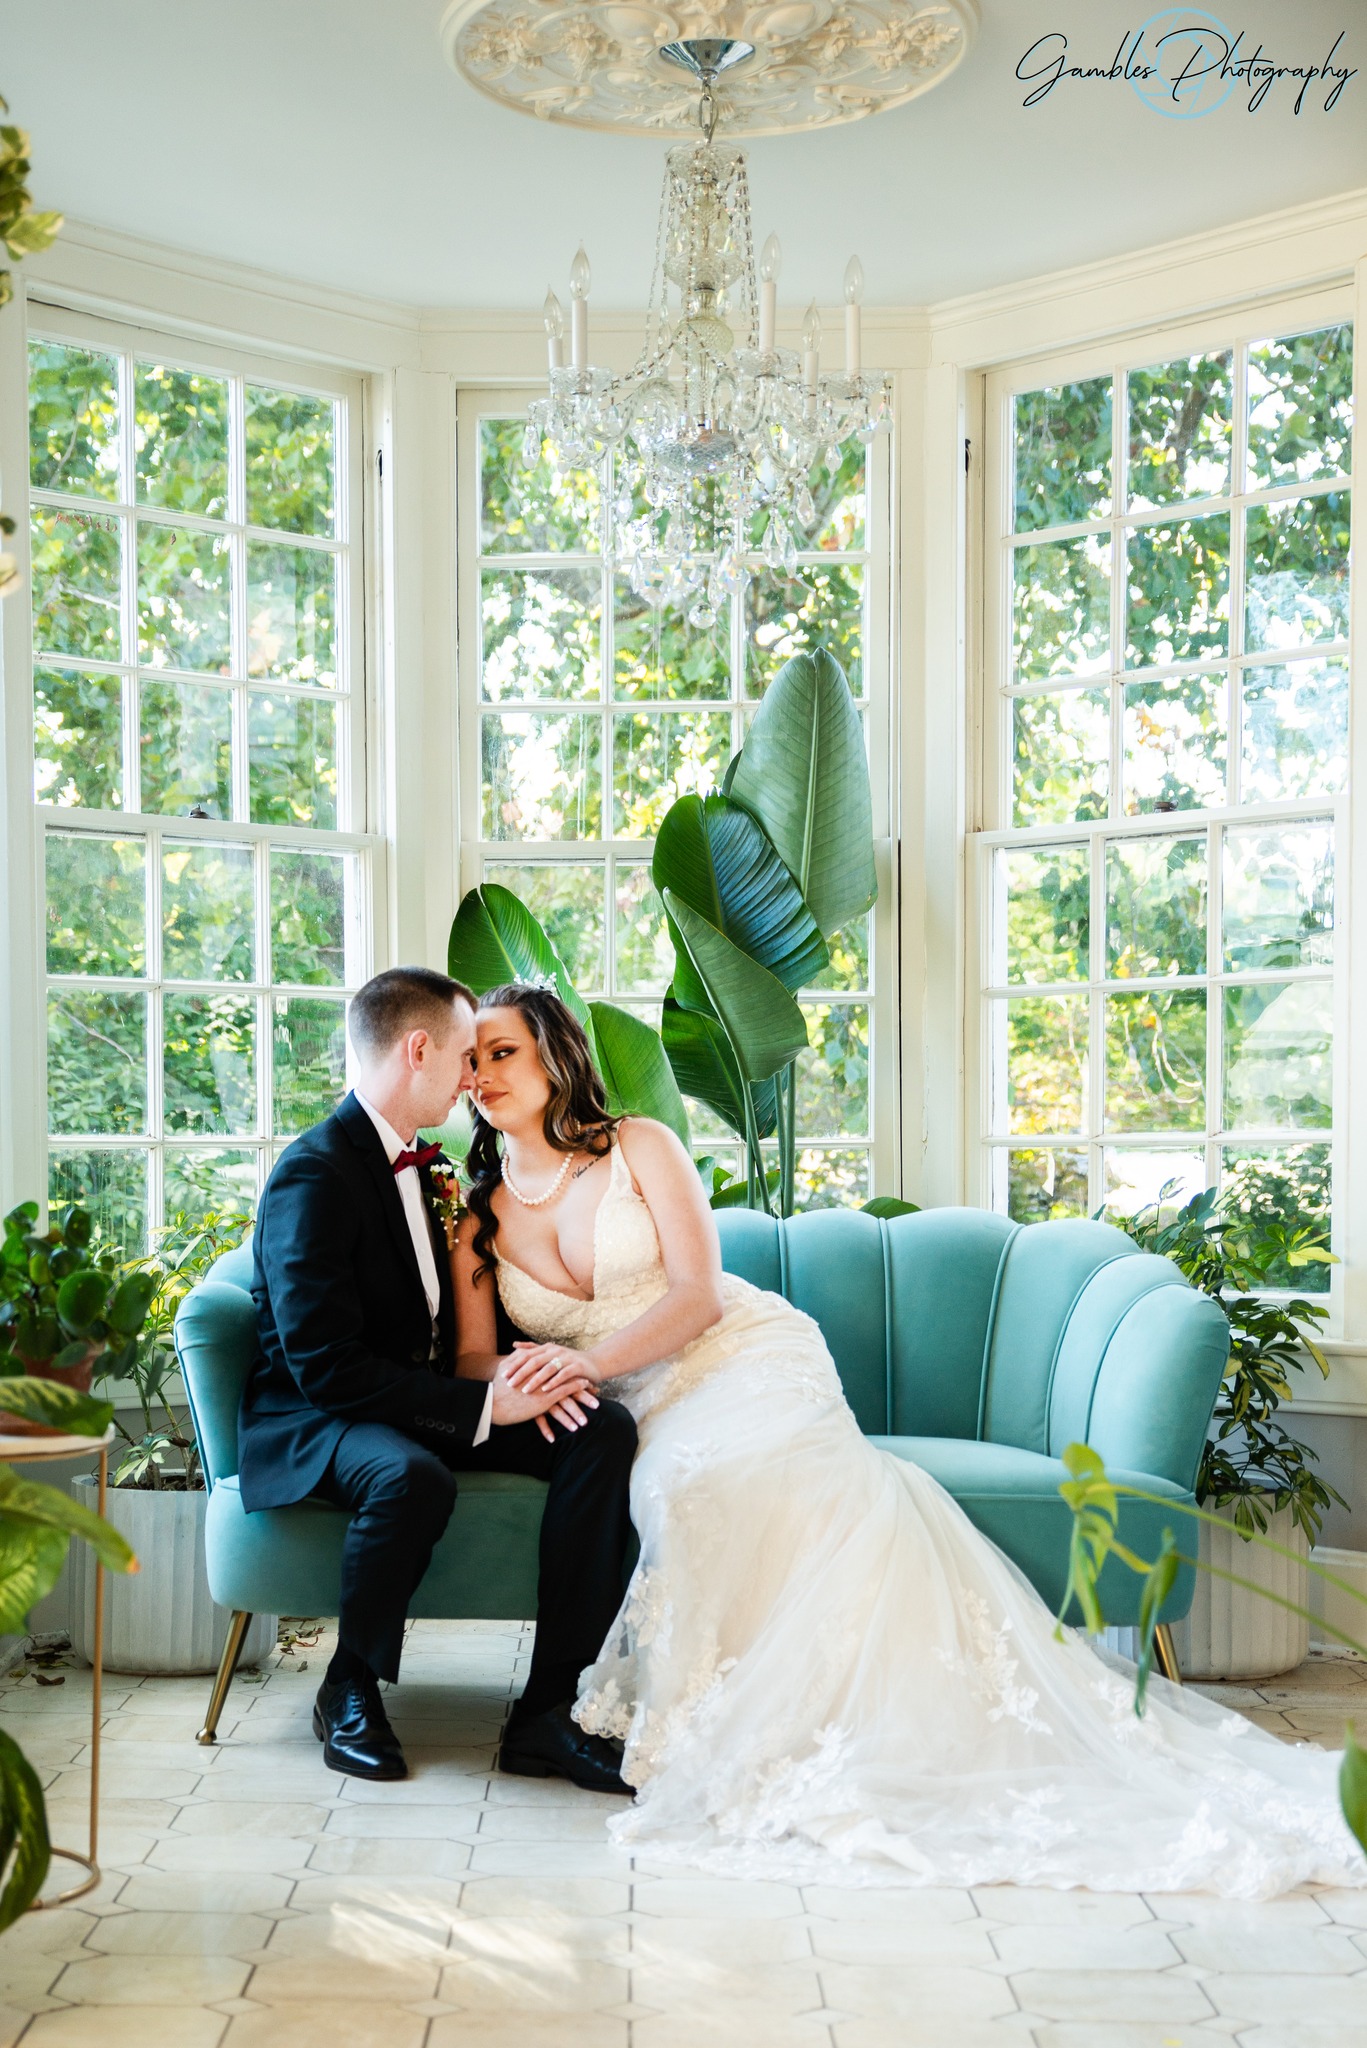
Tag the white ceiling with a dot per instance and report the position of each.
(328, 141)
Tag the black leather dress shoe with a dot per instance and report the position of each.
(552, 1745)
(354, 1730)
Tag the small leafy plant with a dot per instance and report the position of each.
(185, 1250)
(65, 1311)
(23, 233)
(1093, 1497)
(37, 1524)
(1251, 1463)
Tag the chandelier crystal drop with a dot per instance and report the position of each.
(718, 428)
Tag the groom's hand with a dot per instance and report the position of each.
(514, 1403)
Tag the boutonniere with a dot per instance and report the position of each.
(444, 1192)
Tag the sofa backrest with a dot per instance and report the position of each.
(216, 1343)
(950, 1322)
(957, 1322)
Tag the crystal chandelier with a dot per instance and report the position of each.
(718, 428)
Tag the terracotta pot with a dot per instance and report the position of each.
(76, 1376)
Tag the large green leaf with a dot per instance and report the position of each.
(495, 938)
(636, 1073)
(706, 1068)
(764, 1026)
(29, 1502)
(82, 1295)
(128, 1309)
(805, 775)
(31, 1560)
(25, 1851)
(54, 1404)
(1353, 1787)
(713, 854)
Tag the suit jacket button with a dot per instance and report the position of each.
(419, 1357)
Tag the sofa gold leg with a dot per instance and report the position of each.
(227, 1664)
(1165, 1654)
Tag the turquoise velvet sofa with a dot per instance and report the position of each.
(967, 1344)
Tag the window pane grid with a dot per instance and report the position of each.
(220, 642)
(666, 703)
(1219, 1048)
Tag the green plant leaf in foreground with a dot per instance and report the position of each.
(495, 939)
(25, 1851)
(54, 1403)
(31, 1560)
(29, 1501)
(804, 773)
(705, 1068)
(1158, 1583)
(1353, 1786)
(890, 1205)
(764, 1026)
(636, 1073)
(714, 855)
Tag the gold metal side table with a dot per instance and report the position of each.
(51, 1450)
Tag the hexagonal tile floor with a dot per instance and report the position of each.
(252, 1899)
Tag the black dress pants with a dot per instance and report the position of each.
(401, 1495)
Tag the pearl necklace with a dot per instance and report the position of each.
(536, 1201)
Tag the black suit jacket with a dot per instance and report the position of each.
(342, 1315)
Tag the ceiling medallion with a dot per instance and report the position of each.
(604, 63)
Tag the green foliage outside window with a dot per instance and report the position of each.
(1200, 710)
(622, 709)
(166, 981)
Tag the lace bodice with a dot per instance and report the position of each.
(628, 1274)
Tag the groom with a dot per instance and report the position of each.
(353, 1398)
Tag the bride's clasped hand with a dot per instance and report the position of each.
(820, 1669)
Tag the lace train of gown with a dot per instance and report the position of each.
(822, 1670)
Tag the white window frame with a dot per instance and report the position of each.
(1281, 315)
(355, 833)
(474, 404)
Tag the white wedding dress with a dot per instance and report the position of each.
(822, 1670)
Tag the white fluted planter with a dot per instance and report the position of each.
(160, 1618)
(1233, 1633)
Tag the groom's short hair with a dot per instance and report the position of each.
(400, 1000)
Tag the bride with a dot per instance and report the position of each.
(821, 1669)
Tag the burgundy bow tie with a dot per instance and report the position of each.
(422, 1157)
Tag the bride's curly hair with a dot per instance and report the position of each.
(577, 1118)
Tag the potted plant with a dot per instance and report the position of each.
(66, 1313)
(165, 1621)
(1254, 1477)
(753, 882)
(1093, 1498)
(37, 1524)
(23, 232)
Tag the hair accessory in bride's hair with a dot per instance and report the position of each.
(546, 982)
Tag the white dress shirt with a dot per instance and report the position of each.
(415, 1213)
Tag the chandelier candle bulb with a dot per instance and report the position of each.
(770, 261)
(554, 316)
(811, 346)
(581, 277)
(854, 293)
